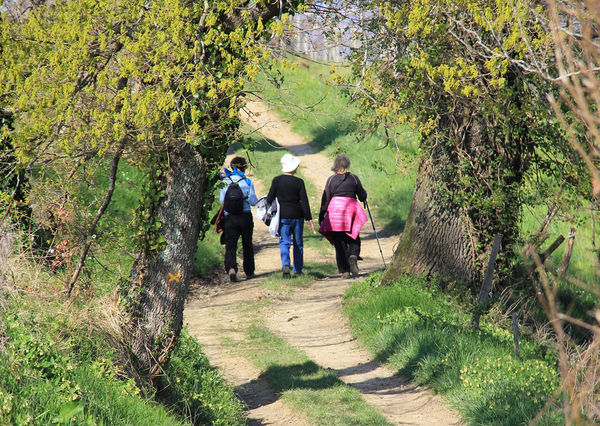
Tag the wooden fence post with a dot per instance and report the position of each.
(487, 281)
(594, 248)
(562, 272)
(516, 335)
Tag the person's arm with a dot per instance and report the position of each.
(324, 201)
(360, 191)
(272, 191)
(304, 202)
(222, 195)
(252, 199)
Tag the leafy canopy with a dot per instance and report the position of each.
(445, 65)
(83, 75)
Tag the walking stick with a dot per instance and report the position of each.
(374, 230)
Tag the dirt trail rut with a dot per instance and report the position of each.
(309, 319)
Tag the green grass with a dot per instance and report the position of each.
(323, 115)
(320, 395)
(210, 251)
(311, 272)
(52, 372)
(426, 337)
(198, 390)
(58, 366)
(583, 259)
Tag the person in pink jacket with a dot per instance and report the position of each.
(341, 216)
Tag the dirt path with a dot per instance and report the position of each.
(309, 319)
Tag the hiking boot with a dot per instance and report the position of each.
(286, 272)
(353, 265)
(232, 275)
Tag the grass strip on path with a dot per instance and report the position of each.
(306, 387)
(311, 272)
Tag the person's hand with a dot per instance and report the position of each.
(311, 226)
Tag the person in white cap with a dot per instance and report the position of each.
(294, 210)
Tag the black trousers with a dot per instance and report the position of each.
(345, 247)
(237, 226)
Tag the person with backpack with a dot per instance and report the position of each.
(341, 216)
(236, 198)
(290, 192)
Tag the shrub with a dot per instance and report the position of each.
(198, 391)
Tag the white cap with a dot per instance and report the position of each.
(289, 163)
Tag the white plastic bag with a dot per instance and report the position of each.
(274, 226)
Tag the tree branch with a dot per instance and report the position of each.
(253, 10)
(101, 210)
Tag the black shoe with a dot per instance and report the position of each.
(250, 276)
(353, 265)
(232, 275)
(286, 272)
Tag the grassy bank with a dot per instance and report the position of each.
(62, 360)
(59, 364)
(427, 338)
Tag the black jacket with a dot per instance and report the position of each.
(291, 194)
(341, 185)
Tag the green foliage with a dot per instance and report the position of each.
(87, 81)
(197, 390)
(505, 387)
(146, 222)
(61, 367)
(426, 336)
(179, 67)
(471, 78)
(45, 380)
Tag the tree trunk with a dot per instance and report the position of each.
(159, 278)
(467, 191)
(436, 240)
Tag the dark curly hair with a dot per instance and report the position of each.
(239, 162)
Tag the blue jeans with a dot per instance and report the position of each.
(290, 232)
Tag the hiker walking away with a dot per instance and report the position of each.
(341, 216)
(294, 210)
(236, 198)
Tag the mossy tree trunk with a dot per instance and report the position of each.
(467, 191)
(436, 240)
(160, 277)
